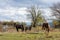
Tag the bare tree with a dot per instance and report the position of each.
(34, 15)
(56, 10)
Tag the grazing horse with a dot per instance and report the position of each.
(28, 28)
(19, 27)
(46, 27)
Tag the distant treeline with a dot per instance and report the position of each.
(11, 23)
(55, 23)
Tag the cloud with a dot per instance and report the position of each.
(16, 9)
(26, 3)
(17, 14)
(41, 3)
(47, 14)
(50, 1)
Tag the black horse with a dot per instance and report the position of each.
(19, 26)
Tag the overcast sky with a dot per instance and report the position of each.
(16, 9)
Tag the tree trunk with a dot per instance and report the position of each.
(34, 24)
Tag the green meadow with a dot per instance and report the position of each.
(29, 36)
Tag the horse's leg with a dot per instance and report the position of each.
(25, 29)
(22, 29)
(47, 32)
(29, 28)
(17, 29)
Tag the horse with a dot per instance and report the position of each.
(46, 27)
(19, 26)
(28, 28)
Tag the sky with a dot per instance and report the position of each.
(16, 9)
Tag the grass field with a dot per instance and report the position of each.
(29, 36)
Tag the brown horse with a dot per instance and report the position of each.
(46, 27)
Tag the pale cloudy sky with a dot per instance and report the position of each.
(16, 9)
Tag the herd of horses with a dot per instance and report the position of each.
(45, 26)
(20, 26)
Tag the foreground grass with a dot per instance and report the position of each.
(29, 36)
